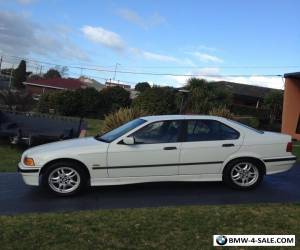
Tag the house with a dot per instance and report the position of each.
(112, 83)
(40, 86)
(291, 105)
(246, 95)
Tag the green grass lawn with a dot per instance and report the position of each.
(94, 126)
(296, 150)
(10, 156)
(190, 227)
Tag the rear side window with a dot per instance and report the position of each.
(209, 130)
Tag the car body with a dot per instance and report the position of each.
(161, 148)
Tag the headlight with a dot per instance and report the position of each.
(28, 161)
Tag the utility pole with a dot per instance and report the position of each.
(41, 69)
(10, 77)
(0, 64)
(116, 70)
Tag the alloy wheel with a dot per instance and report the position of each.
(64, 180)
(244, 174)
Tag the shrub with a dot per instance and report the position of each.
(250, 121)
(221, 111)
(17, 100)
(115, 98)
(120, 117)
(157, 100)
(142, 86)
(82, 102)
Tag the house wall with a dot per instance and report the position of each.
(291, 107)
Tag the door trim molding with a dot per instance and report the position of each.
(160, 165)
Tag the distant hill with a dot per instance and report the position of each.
(89, 82)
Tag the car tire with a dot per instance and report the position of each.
(243, 174)
(64, 178)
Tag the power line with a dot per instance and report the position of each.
(102, 69)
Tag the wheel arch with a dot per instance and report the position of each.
(84, 167)
(249, 158)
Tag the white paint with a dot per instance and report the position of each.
(113, 158)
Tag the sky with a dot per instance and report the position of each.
(162, 42)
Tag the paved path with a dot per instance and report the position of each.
(16, 197)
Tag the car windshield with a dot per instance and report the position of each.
(115, 133)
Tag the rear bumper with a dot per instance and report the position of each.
(278, 165)
(29, 175)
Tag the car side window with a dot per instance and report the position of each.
(209, 130)
(158, 132)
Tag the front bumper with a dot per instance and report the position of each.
(30, 175)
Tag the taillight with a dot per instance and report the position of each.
(289, 147)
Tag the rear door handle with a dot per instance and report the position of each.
(170, 148)
(228, 145)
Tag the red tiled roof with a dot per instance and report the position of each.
(61, 83)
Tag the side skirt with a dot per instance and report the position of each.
(132, 180)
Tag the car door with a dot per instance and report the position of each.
(154, 153)
(207, 144)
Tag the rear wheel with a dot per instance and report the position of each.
(243, 174)
(64, 178)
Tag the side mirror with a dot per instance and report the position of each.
(128, 140)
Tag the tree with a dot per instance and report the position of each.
(52, 73)
(63, 70)
(273, 102)
(19, 76)
(35, 77)
(204, 96)
(142, 86)
(157, 100)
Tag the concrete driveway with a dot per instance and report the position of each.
(16, 197)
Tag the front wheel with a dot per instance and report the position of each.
(243, 174)
(64, 179)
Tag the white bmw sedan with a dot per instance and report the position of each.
(160, 148)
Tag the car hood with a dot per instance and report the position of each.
(67, 148)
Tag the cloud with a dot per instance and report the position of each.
(25, 2)
(131, 16)
(22, 37)
(213, 74)
(204, 57)
(144, 22)
(206, 48)
(153, 56)
(181, 80)
(104, 37)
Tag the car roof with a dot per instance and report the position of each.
(180, 117)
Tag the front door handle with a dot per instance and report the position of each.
(228, 145)
(170, 148)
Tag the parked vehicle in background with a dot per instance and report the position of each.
(34, 129)
(160, 148)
